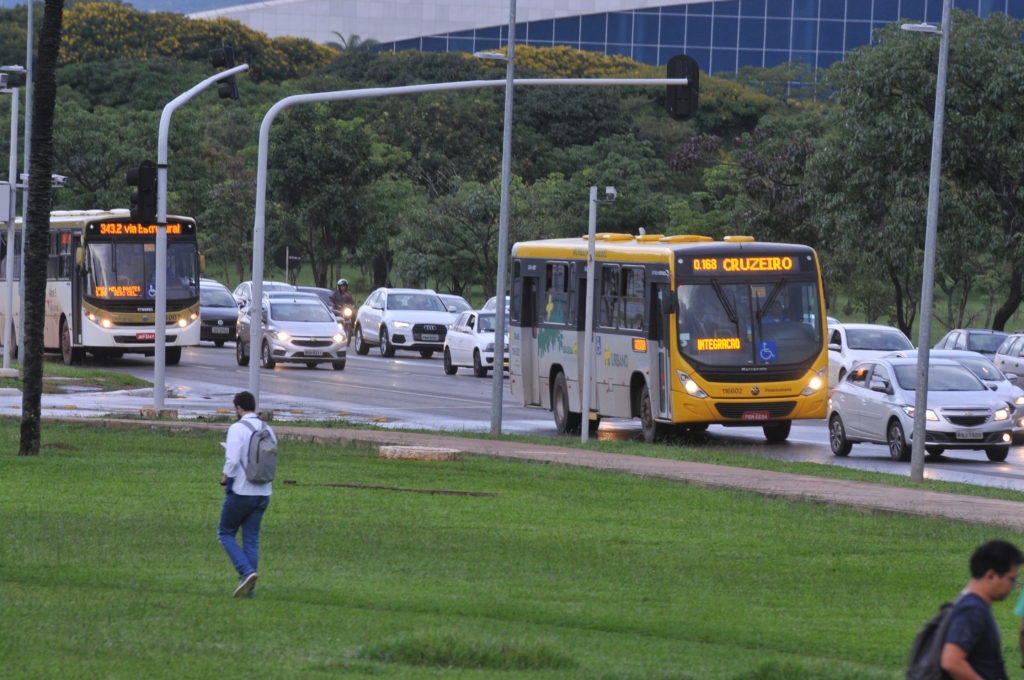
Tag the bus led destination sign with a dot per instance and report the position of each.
(134, 228)
(743, 265)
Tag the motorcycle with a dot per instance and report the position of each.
(346, 316)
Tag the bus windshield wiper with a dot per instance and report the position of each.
(771, 298)
(730, 311)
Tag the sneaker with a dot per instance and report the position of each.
(245, 586)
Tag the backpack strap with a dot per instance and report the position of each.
(252, 428)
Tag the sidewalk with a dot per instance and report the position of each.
(862, 495)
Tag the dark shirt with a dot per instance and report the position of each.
(973, 629)
(339, 299)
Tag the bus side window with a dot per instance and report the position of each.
(555, 303)
(609, 304)
(633, 298)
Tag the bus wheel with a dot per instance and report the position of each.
(647, 422)
(566, 422)
(776, 433)
(172, 356)
(71, 355)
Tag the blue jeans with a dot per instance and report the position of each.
(245, 512)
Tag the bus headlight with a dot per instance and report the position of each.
(815, 383)
(105, 323)
(182, 323)
(690, 386)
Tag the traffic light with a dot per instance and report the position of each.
(681, 100)
(143, 199)
(224, 57)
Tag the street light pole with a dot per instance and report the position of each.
(497, 384)
(12, 201)
(930, 235)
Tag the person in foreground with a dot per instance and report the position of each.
(244, 502)
(973, 648)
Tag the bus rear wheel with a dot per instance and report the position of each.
(566, 422)
(72, 355)
(648, 424)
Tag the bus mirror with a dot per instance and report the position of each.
(202, 263)
(79, 257)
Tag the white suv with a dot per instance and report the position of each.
(402, 318)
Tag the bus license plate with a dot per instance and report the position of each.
(969, 434)
(430, 337)
(755, 415)
(146, 336)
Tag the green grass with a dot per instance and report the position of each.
(60, 378)
(110, 568)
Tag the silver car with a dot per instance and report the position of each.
(297, 328)
(874, 403)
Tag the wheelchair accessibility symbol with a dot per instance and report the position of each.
(767, 351)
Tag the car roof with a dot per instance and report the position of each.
(879, 326)
(940, 353)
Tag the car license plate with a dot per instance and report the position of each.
(755, 415)
(430, 337)
(969, 434)
(314, 353)
(146, 336)
(223, 330)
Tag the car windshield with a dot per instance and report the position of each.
(882, 339)
(215, 297)
(983, 368)
(298, 311)
(416, 301)
(985, 342)
(941, 378)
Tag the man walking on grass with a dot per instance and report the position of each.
(244, 501)
(973, 648)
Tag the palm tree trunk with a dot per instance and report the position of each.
(37, 230)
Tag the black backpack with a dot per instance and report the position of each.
(925, 661)
(260, 462)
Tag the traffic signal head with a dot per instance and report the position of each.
(224, 57)
(681, 100)
(143, 199)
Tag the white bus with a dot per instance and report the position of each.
(101, 288)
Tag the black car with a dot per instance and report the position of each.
(218, 312)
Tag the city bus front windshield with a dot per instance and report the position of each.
(126, 270)
(749, 324)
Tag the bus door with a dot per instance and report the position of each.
(660, 334)
(523, 323)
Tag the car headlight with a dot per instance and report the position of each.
(283, 336)
(690, 386)
(1001, 414)
(928, 415)
(400, 324)
(338, 337)
(1019, 401)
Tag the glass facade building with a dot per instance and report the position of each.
(722, 35)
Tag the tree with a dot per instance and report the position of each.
(37, 246)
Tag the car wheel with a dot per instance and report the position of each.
(776, 433)
(241, 358)
(566, 422)
(837, 436)
(266, 359)
(934, 451)
(426, 353)
(312, 364)
(449, 367)
(338, 365)
(362, 349)
(218, 343)
(387, 350)
(997, 454)
(648, 424)
(897, 442)
(479, 370)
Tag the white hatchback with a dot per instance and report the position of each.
(470, 343)
(849, 343)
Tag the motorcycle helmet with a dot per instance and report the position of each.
(342, 282)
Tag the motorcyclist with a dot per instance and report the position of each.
(341, 297)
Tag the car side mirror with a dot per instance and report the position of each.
(879, 385)
(1012, 377)
(834, 347)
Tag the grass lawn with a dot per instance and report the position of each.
(60, 378)
(110, 568)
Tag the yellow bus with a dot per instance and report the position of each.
(687, 331)
(101, 287)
